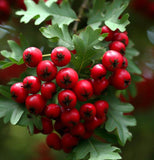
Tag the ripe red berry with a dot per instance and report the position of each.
(47, 126)
(5, 10)
(54, 141)
(32, 56)
(60, 56)
(67, 78)
(122, 37)
(87, 111)
(98, 71)
(69, 141)
(48, 89)
(106, 29)
(120, 79)
(124, 63)
(32, 84)
(78, 130)
(46, 70)
(35, 103)
(59, 2)
(99, 86)
(112, 60)
(52, 111)
(84, 90)
(70, 118)
(18, 93)
(67, 99)
(94, 123)
(117, 46)
(87, 134)
(101, 108)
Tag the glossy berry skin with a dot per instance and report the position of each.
(60, 56)
(99, 86)
(94, 123)
(35, 104)
(67, 78)
(117, 46)
(124, 63)
(52, 111)
(32, 56)
(112, 60)
(78, 130)
(47, 126)
(67, 99)
(101, 108)
(84, 90)
(32, 84)
(122, 37)
(48, 89)
(98, 71)
(54, 141)
(121, 79)
(70, 118)
(106, 29)
(87, 111)
(18, 93)
(69, 141)
(46, 70)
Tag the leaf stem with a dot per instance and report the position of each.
(46, 55)
(81, 10)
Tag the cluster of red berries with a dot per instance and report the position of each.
(71, 124)
(5, 7)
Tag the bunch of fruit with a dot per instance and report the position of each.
(72, 121)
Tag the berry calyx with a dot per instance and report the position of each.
(122, 37)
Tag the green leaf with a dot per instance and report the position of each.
(117, 121)
(133, 68)
(96, 151)
(41, 11)
(109, 14)
(85, 46)
(5, 91)
(150, 34)
(61, 35)
(10, 110)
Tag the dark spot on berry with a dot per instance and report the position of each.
(66, 80)
(28, 58)
(45, 73)
(115, 63)
(123, 64)
(126, 82)
(88, 113)
(122, 51)
(100, 77)
(32, 110)
(85, 94)
(13, 95)
(67, 101)
(60, 57)
(123, 41)
(27, 86)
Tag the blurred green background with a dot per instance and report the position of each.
(16, 143)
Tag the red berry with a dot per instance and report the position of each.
(112, 60)
(67, 99)
(122, 37)
(59, 2)
(46, 70)
(101, 108)
(70, 118)
(78, 130)
(87, 111)
(35, 103)
(117, 46)
(54, 141)
(99, 86)
(87, 134)
(83, 90)
(32, 84)
(106, 29)
(98, 71)
(67, 78)
(69, 141)
(47, 126)
(60, 56)
(5, 10)
(94, 123)
(52, 111)
(48, 89)
(124, 63)
(120, 79)
(18, 93)
(32, 56)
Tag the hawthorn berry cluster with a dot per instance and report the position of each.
(71, 121)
